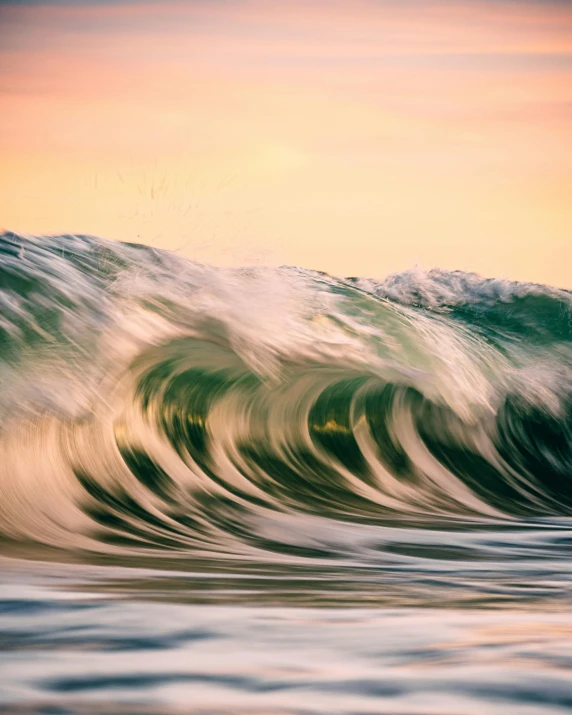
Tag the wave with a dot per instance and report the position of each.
(148, 402)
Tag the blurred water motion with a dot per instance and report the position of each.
(85, 639)
(274, 491)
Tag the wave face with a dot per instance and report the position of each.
(151, 403)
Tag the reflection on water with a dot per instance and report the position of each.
(425, 623)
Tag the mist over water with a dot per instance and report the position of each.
(275, 491)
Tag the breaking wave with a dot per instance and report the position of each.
(148, 402)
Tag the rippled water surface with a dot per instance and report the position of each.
(465, 622)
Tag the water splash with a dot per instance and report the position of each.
(150, 404)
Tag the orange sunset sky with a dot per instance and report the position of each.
(354, 137)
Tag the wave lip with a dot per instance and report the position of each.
(150, 403)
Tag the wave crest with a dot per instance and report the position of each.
(152, 403)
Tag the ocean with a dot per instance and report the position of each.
(274, 491)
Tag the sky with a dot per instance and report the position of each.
(358, 137)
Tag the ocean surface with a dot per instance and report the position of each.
(274, 491)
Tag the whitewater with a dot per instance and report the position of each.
(272, 490)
